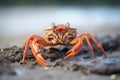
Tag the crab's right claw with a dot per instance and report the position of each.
(70, 54)
(35, 41)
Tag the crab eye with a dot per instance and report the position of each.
(68, 24)
(50, 38)
(53, 25)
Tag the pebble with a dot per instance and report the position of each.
(110, 42)
(1, 50)
(46, 68)
(113, 77)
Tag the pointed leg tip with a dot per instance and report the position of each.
(43, 64)
(65, 58)
(22, 62)
(105, 56)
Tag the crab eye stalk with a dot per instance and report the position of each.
(68, 24)
(53, 25)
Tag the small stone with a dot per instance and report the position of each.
(86, 71)
(1, 50)
(113, 77)
(66, 68)
(46, 68)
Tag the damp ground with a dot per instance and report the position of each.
(80, 67)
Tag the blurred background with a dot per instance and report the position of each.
(21, 18)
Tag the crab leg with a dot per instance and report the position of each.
(97, 43)
(90, 46)
(26, 45)
(78, 43)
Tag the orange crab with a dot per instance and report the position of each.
(59, 35)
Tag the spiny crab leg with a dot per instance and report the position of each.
(89, 46)
(97, 44)
(78, 43)
(35, 41)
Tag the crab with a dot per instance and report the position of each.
(61, 34)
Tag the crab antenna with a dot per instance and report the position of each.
(53, 25)
(68, 24)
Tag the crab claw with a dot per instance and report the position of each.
(70, 54)
(38, 56)
(40, 60)
(76, 48)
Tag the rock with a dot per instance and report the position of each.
(110, 65)
(110, 42)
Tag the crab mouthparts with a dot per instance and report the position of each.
(60, 41)
(60, 36)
